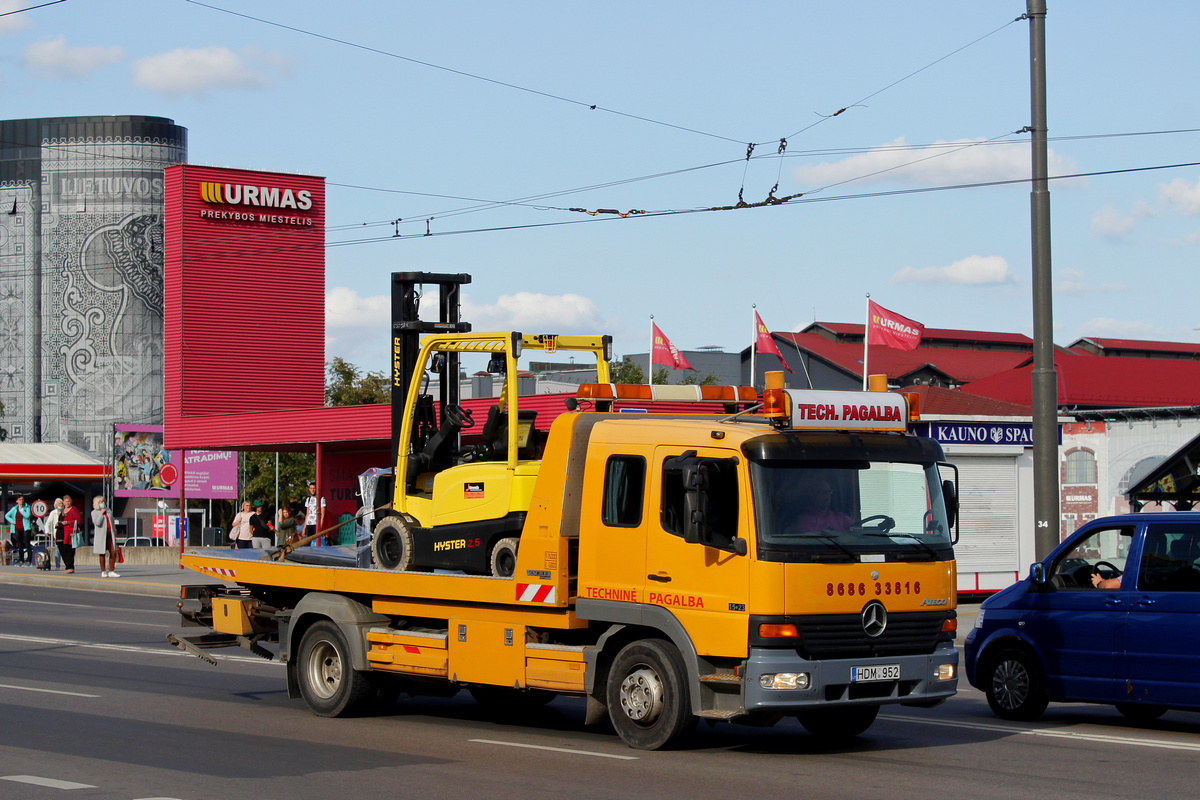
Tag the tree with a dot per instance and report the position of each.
(347, 385)
(711, 379)
(626, 371)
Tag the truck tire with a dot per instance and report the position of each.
(838, 724)
(330, 686)
(392, 545)
(1014, 685)
(647, 694)
(504, 557)
(504, 700)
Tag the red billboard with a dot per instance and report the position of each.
(244, 319)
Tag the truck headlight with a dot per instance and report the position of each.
(784, 680)
(945, 672)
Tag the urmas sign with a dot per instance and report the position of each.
(255, 202)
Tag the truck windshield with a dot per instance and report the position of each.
(843, 510)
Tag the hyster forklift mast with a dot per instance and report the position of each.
(407, 329)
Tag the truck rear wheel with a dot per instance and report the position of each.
(648, 700)
(392, 545)
(504, 557)
(839, 723)
(330, 686)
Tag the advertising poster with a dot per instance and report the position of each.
(143, 468)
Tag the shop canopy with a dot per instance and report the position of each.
(1173, 481)
(24, 463)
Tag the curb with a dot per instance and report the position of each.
(95, 584)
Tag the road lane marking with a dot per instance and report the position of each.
(554, 749)
(91, 606)
(1100, 738)
(47, 691)
(47, 782)
(127, 648)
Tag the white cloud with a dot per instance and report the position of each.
(1074, 283)
(970, 271)
(1108, 223)
(1181, 194)
(13, 22)
(195, 72)
(356, 327)
(942, 163)
(56, 59)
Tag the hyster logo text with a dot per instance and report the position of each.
(238, 194)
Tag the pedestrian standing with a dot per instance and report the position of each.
(104, 544)
(22, 537)
(240, 532)
(52, 522)
(72, 532)
(285, 526)
(314, 513)
(260, 527)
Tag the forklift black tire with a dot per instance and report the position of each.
(838, 724)
(503, 700)
(392, 545)
(329, 684)
(504, 557)
(647, 695)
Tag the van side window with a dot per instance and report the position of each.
(1169, 559)
(624, 487)
(1103, 551)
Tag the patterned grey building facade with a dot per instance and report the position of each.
(81, 275)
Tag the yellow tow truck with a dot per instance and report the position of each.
(757, 558)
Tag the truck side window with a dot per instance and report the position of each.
(1169, 559)
(624, 486)
(723, 497)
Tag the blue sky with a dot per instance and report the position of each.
(473, 120)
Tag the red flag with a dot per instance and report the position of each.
(765, 342)
(890, 329)
(663, 352)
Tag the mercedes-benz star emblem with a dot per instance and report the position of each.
(874, 618)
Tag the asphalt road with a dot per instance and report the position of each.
(94, 704)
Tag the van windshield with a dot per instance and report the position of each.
(843, 510)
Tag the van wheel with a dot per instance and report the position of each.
(504, 557)
(328, 683)
(1015, 687)
(1141, 712)
(647, 695)
(392, 545)
(838, 724)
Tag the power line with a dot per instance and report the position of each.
(31, 8)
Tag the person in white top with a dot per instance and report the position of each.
(51, 530)
(103, 543)
(314, 514)
(240, 532)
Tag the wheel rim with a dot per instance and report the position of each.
(642, 696)
(390, 550)
(1010, 684)
(506, 563)
(324, 670)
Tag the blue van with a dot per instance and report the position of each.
(1111, 616)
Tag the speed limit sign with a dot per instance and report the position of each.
(39, 508)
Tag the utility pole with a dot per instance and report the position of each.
(1045, 379)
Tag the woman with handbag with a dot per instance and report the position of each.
(240, 532)
(70, 533)
(103, 542)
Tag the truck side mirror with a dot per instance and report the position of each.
(702, 519)
(950, 496)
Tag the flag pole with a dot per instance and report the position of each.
(866, 338)
(753, 340)
(650, 355)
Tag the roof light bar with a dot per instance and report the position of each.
(679, 393)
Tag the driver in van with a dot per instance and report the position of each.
(1105, 583)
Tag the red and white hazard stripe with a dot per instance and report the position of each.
(223, 572)
(535, 593)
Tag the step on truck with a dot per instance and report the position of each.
(669, 554)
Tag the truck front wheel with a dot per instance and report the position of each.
(328, 683)
(647, 695)
(392, 545)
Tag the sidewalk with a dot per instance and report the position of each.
(161, 580)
